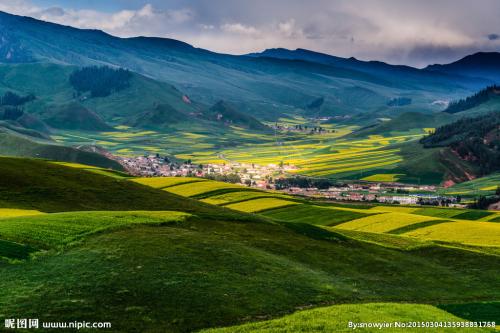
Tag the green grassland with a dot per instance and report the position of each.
(200, 266)
(337, 318)
(480, 186)
(54, 231)
(164, 276)
(32, 184)
(14, 144)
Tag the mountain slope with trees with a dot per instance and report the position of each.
(475, 140)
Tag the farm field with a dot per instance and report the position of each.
(316, 215)
(203, 187)
(476, 233)
(7, 212)
(335, 318)
(226, 198)
(323, 155)
(425, 223)
(384, 222)
(260, 204)
(162, 182)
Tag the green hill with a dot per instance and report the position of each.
(184, 265)
(472, 139)
(160, 116)
(48, 187)
(14, 144)
(225, 113)
(404, 122)
(184, 275)
(74, 116)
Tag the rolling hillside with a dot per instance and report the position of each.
(200, 267)
(13, 144)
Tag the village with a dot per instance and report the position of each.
(277, 176)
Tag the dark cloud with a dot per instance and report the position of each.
(493, 36)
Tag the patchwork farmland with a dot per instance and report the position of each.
(448, 225)
(329, 154)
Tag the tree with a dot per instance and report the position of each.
(100, 81)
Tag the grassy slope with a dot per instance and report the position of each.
(12, 144)
(48, 187)
(430, 166)
(337, 318)
(207, 270)
(152, 277)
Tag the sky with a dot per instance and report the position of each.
(415, 33)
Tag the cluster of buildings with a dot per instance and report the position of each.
(264, 176)
(390, 193)
(248, 173)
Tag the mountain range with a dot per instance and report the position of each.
(172, 85)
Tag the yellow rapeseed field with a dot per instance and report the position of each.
(473, 233)
(7, 212)
(384, 222)
(189, 190)
(258, 205)
(160, 182)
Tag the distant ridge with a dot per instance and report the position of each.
(481, 64)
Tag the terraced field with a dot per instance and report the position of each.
(226, 198)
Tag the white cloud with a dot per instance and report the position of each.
(238, 28)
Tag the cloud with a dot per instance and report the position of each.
(238, 28)
(493, 36)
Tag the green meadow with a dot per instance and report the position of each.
(164, 259)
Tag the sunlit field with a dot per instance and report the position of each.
(329, 154)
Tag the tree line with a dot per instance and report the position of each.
(472, 101)
(13, 99)
(473, 139)
(100, 81)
